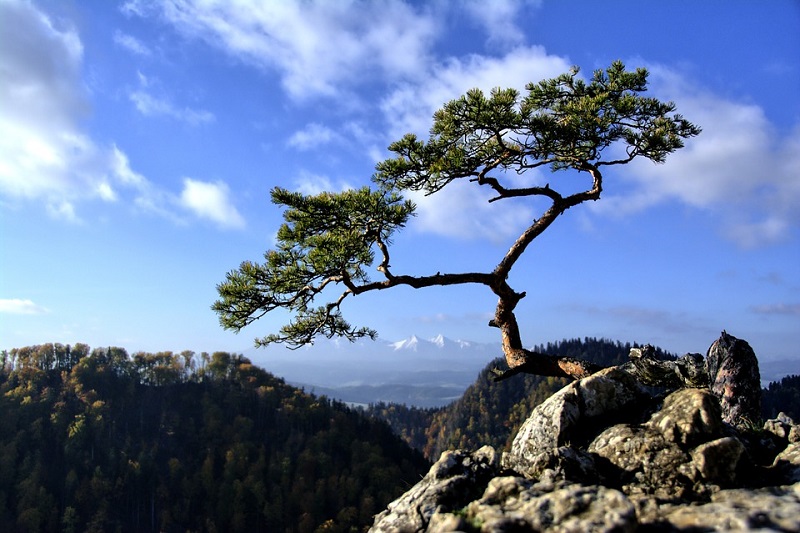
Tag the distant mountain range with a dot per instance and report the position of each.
(413, 371)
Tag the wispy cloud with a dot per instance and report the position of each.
(310, 183)
(498, 18)
(314, 134)
(211, 201)
(738, 167)
(317, 48)
(44, 155)
(17, 306)
(777, 309)
(409, 108)
(663, 320)
(150, 105)
(463, 211)
(131, 43)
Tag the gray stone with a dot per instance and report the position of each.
(590, 459)
(774, 509)
(781, 426)
(564, 463)
(688, 371)
(688, 417)
(734, 378)
(446, 523)
(568, 413)
(513, 503)
(717, 461)
(788, 462)
(658, 455)
(457, 478)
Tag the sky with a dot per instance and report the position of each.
(139, 141)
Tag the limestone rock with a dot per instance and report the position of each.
(516, 504)
(569, 414)
(774, 509)
(779, 426)
(788, 462)
(734, 378)
(599, 456)
(677, 447)
(457, 478)
(689, 416)
(717, 461)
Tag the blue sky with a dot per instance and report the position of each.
(139, 141)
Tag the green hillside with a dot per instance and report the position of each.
(104, 441)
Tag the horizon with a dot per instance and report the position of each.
(140, 140)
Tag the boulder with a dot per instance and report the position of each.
(774, 509)
(734, 378)
(571, 414)
(517, 504)
(457, 478)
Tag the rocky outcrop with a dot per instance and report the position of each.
(604, 455)
(453, 481)
(734, 378)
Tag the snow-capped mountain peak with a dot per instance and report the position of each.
(439, 342)
(411, 343)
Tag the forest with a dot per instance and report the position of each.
(102, 441)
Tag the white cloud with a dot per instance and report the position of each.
(464, 212)
(738, 167)
(211, 201)
(498, 18)
(777, 309)
(44, 156)
(316, 47)
(150, 105)
(309, 183)
(314, 134)
(131, 43)
(17, 306)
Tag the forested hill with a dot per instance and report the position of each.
(104, 441)
(491, 413)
